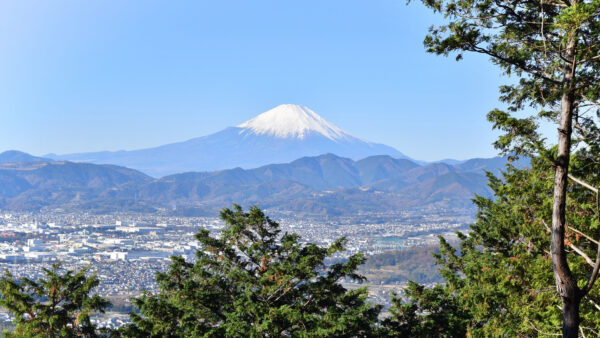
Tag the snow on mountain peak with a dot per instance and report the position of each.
(292, 120)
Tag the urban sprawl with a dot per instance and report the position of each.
(126, 250)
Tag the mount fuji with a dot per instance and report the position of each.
(282, 134)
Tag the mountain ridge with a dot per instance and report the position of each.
(20, 156)
(326, 184)
(280, 135)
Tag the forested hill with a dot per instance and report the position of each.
(326, 184)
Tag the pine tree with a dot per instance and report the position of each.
(57, 305)
(499, 281)
(427, 312)
(253, 281)
(552, 47)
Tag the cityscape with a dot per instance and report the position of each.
(126, 250)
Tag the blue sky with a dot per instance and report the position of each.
(107, 75)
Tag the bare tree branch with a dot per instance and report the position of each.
(582, 334)
(587, 185)
(583, 234)
(594, 275)
(593, 303)
(586, 131)
(582, 254)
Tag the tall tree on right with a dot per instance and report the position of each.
(552, 47)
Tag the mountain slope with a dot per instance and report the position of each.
(36, 185)
(326, 184)
(292, 121)
(280, 135)
(19, 156)
(377, 168)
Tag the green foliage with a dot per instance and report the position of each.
(428, 313)
(7, 327)
(501, 277)
(252, 281)
(551, 48)
(58, 305)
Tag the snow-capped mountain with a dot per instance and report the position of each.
(292, 121)
(282, 134)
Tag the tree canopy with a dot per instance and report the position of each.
(251, 280)
(499, 281)
(57, 305)
(551, 48)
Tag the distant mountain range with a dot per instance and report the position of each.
(326, 184)
(354, 176)
(19, 156)
(37, 185)
(282, 134)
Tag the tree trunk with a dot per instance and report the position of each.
(571, 318)
(566, 284)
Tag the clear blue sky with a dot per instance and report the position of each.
(107, 75)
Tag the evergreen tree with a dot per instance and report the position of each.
(252, 281)
(552, 47)
(426, 313)
(58, 305)
(499, 281)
